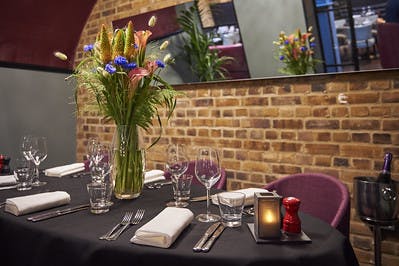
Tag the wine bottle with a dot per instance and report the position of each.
(385, 174)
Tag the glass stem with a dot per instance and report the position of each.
(207, 202)
(36, 179)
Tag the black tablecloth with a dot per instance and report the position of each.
(73, 239)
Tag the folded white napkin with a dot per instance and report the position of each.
(37, 202)
(153, 175)
(61, 171)
(249, 195)
(7, 180)
(164, 228)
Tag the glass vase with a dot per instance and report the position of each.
(128, 162)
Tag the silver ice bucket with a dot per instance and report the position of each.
(375, 201)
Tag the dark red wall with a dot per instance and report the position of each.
(32, 30)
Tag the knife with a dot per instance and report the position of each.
(51, 214)
(205, 237)
(211, 240)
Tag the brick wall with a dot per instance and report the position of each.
(269, 128)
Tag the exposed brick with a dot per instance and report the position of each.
(322, 99)
(339, 111)
(323, 160)
(361, 137)
(327, 149)
(358, 98)
(341, 162)
(361, 124)
(318, 87)
(321, 112)
(382, 139)
(256, 101)
(358, 85)
(286, 100)
(361, 111)
(390, 124)
(286, 147)
(322, 124)
(288, 124)
(379, 84)
(226, 102)
(341, 136)
(203, 102)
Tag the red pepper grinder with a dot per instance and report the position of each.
(291, 221)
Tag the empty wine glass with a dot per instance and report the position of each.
(176, 164)
(26, 146)
(207, 171)
(91, 146)
(38, 154)
(100, 161)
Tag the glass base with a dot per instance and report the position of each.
(127, 195)
(38, 183)
(179, 204)
(208, 218)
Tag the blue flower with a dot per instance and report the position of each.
(110, 68)
(135, 46)
(130, 65)
(304, 48)
(160, 63)
(281, 57)
(121, 61)
(88, 47)
(312, 44)
(286, 42)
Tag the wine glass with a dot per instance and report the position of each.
(91, 146)
(207, 171)
(26, 146)
(38, 154)
(100, 158)
(176, 164)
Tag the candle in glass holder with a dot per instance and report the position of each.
(267, 215)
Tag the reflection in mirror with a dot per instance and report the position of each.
(346, 34)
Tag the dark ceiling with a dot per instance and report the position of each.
(32, 30)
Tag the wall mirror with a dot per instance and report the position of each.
(249, 38)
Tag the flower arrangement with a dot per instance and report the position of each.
(125, 86)
(296, 52)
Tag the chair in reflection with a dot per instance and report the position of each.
(321, 195)
(364, 38)
(388, 43)
(221, 184)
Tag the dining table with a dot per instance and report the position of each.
(73, 239)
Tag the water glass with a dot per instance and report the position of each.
(181, 190)
(23, 172)
(98, 199)
(231, 205)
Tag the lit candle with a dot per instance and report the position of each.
(267, 215)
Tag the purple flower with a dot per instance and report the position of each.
(286, 42)
(130, 65)
(110, 68)
(160, 63)
(312, 44)
(88, 47)
(304, 48)
(281, 57)
(121, 61)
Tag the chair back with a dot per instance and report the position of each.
(321, 195)
(388, 43)
(221, 184)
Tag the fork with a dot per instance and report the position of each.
(136, 219)
(125, 219)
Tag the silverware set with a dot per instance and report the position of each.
(127, 220)
(211, 234)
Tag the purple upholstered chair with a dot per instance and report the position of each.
(221, 184)
(321, 195)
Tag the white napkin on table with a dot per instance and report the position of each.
(61, 171)
(7, 180)
(37, 202)
(153, 175)
(249, 195)
(164, 228)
